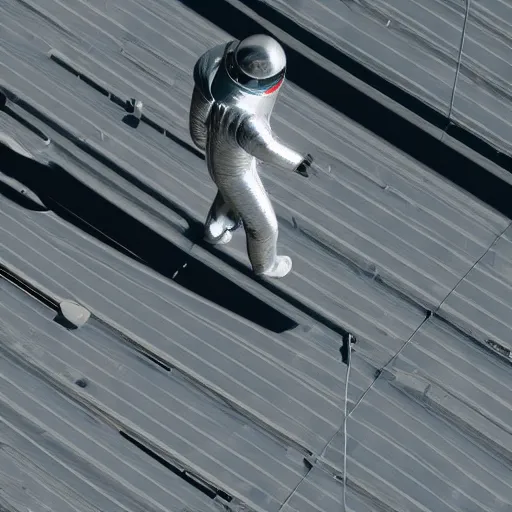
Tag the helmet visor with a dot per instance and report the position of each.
(265, 85)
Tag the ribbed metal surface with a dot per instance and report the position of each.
(158, 409)
(482, 101)
(413, 44)
(481, 304)
(249, 380)
(375, 210)
(433, 433)
(56, 455)
(289, 381)
(319, 491)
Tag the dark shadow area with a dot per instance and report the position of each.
(479, 146)
(4, 105)
(18, 198)
(131, 121)
(64, 322)
(191, 479)
(361, 108)
(84, 208)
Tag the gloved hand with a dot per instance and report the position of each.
(304, 166)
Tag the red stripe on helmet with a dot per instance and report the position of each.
(274, 87)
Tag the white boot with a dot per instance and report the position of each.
(215, 236)
(225, 238)
(282, 266)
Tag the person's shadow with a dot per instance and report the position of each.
(84, 208)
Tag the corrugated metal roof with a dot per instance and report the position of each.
(480, 305)
(433, 431)
(482, 102)
(413, 44)
(236, 380)
(156, 407)
(56, 455)
(416, 46)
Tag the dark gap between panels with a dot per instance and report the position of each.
(188, 477)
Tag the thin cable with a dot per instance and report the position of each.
(345, 418)
(459, 61)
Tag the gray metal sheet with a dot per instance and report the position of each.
(433, 432)
(413, 44)
(386, 213)
(481, 304)
(319, 491)
(377, 239)
(335, 141)
(384, 229)
(482, 102)
(54, 454)
(371, 223)
(157, 408)
(288, 381)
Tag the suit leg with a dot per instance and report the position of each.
(261, 229)
(221, 218)
(248, 196)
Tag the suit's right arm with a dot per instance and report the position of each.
(255, 136)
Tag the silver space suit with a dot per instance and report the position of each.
(236, 87)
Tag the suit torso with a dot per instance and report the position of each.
(230, 105)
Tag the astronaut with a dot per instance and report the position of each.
(236, 87)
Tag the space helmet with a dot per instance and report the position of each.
(257, 64)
